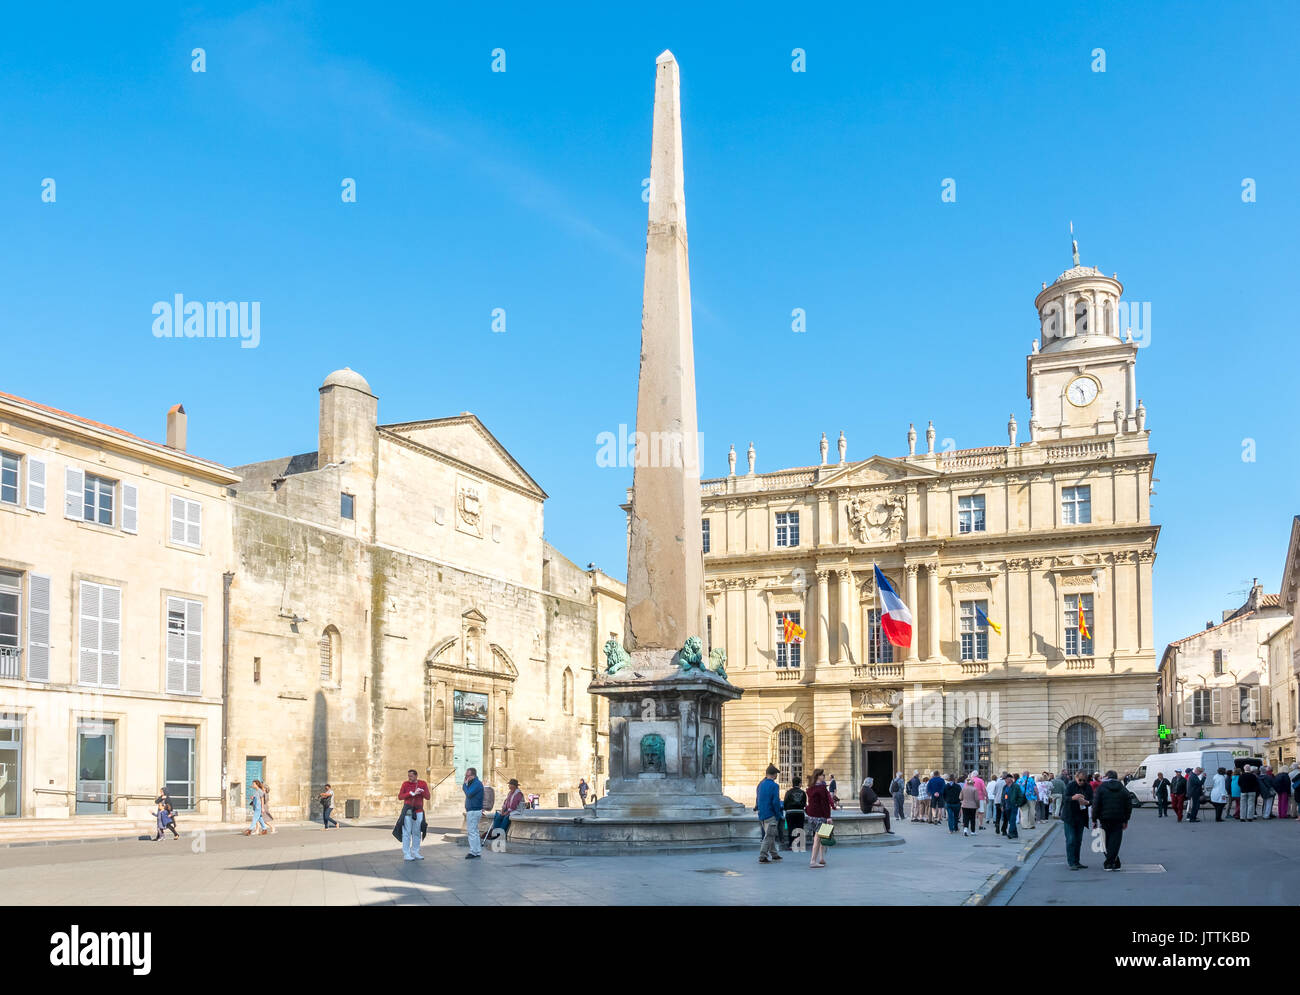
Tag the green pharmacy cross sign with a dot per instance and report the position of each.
(1164, 731)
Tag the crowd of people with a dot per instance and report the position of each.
(1253, 792)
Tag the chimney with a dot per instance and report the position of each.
(176, 427)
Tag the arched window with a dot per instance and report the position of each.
(789, 754)
(1081, 314)
(331, 656)
(1080, 747)
(975, 750)
(568, 691)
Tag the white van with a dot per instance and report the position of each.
(1210, 760)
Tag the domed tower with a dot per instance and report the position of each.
(349, 413)
(349, 442)
(1081, 373)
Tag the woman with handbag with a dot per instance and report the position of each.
(817, 814)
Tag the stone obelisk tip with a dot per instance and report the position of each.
(664, 57)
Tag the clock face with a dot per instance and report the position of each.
(1082, 391)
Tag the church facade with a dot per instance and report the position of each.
(1026, 566)
(394, 605)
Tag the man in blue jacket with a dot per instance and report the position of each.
(770, 813)
(934, 791)
(473, 789)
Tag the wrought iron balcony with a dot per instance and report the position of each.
(11, 662)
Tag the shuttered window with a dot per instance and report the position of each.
(100, 640)
(38, 628)
(130, 509)
(187, 522)
(35, 484)
(184, 646)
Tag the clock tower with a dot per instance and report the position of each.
(1080, 377)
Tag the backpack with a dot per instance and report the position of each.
(489, 798)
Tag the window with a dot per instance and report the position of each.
(975, 750)
(787, 654)
(184, 646)
(97, 505)
(178, 766)
(1140, 773)
(10, 612)
(1076, 505)
(789, 755)
(1218, 663)
(257, 670)
(704, 531)
(1076, 604)
(879, 648)
(567, 691)
(1249, 708)
(100, 637)
(187, 522)
(1201, 707)
(331, 652)
(787, 528)
(9, 478)
(1080, 747)
(347, 506)
(970, 513)
(974, 633)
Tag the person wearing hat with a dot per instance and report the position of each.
(1178, 792)
(501, 820)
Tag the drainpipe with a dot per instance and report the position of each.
(226, 579)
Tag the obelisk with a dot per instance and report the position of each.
(665, 569)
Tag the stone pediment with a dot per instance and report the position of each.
(465, 441)
(874, 471)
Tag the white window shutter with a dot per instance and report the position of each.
(1234, 707)
(74, 494)
(175, 649)
(194, 524)
(35, 484)
(193, 647)
(1256, 713)
(1216, 706)
(88, 642)
(38, 628)
(178, 519)
(130, 514)
(1189, 706)
(110, 653)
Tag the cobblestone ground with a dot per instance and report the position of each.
(364, 866)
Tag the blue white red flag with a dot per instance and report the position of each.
(895, 619)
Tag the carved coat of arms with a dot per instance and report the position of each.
(469, 510)
(876, 518)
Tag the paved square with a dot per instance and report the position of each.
(364, 866)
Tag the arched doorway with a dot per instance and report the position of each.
(1081, 747)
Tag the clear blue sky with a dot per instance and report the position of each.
(522, 190)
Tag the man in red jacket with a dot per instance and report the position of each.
(412, 796)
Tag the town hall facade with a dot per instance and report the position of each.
(1021, 537)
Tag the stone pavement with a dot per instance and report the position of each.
(364, 866)
(1172, 864)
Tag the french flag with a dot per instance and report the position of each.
(896, 620)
